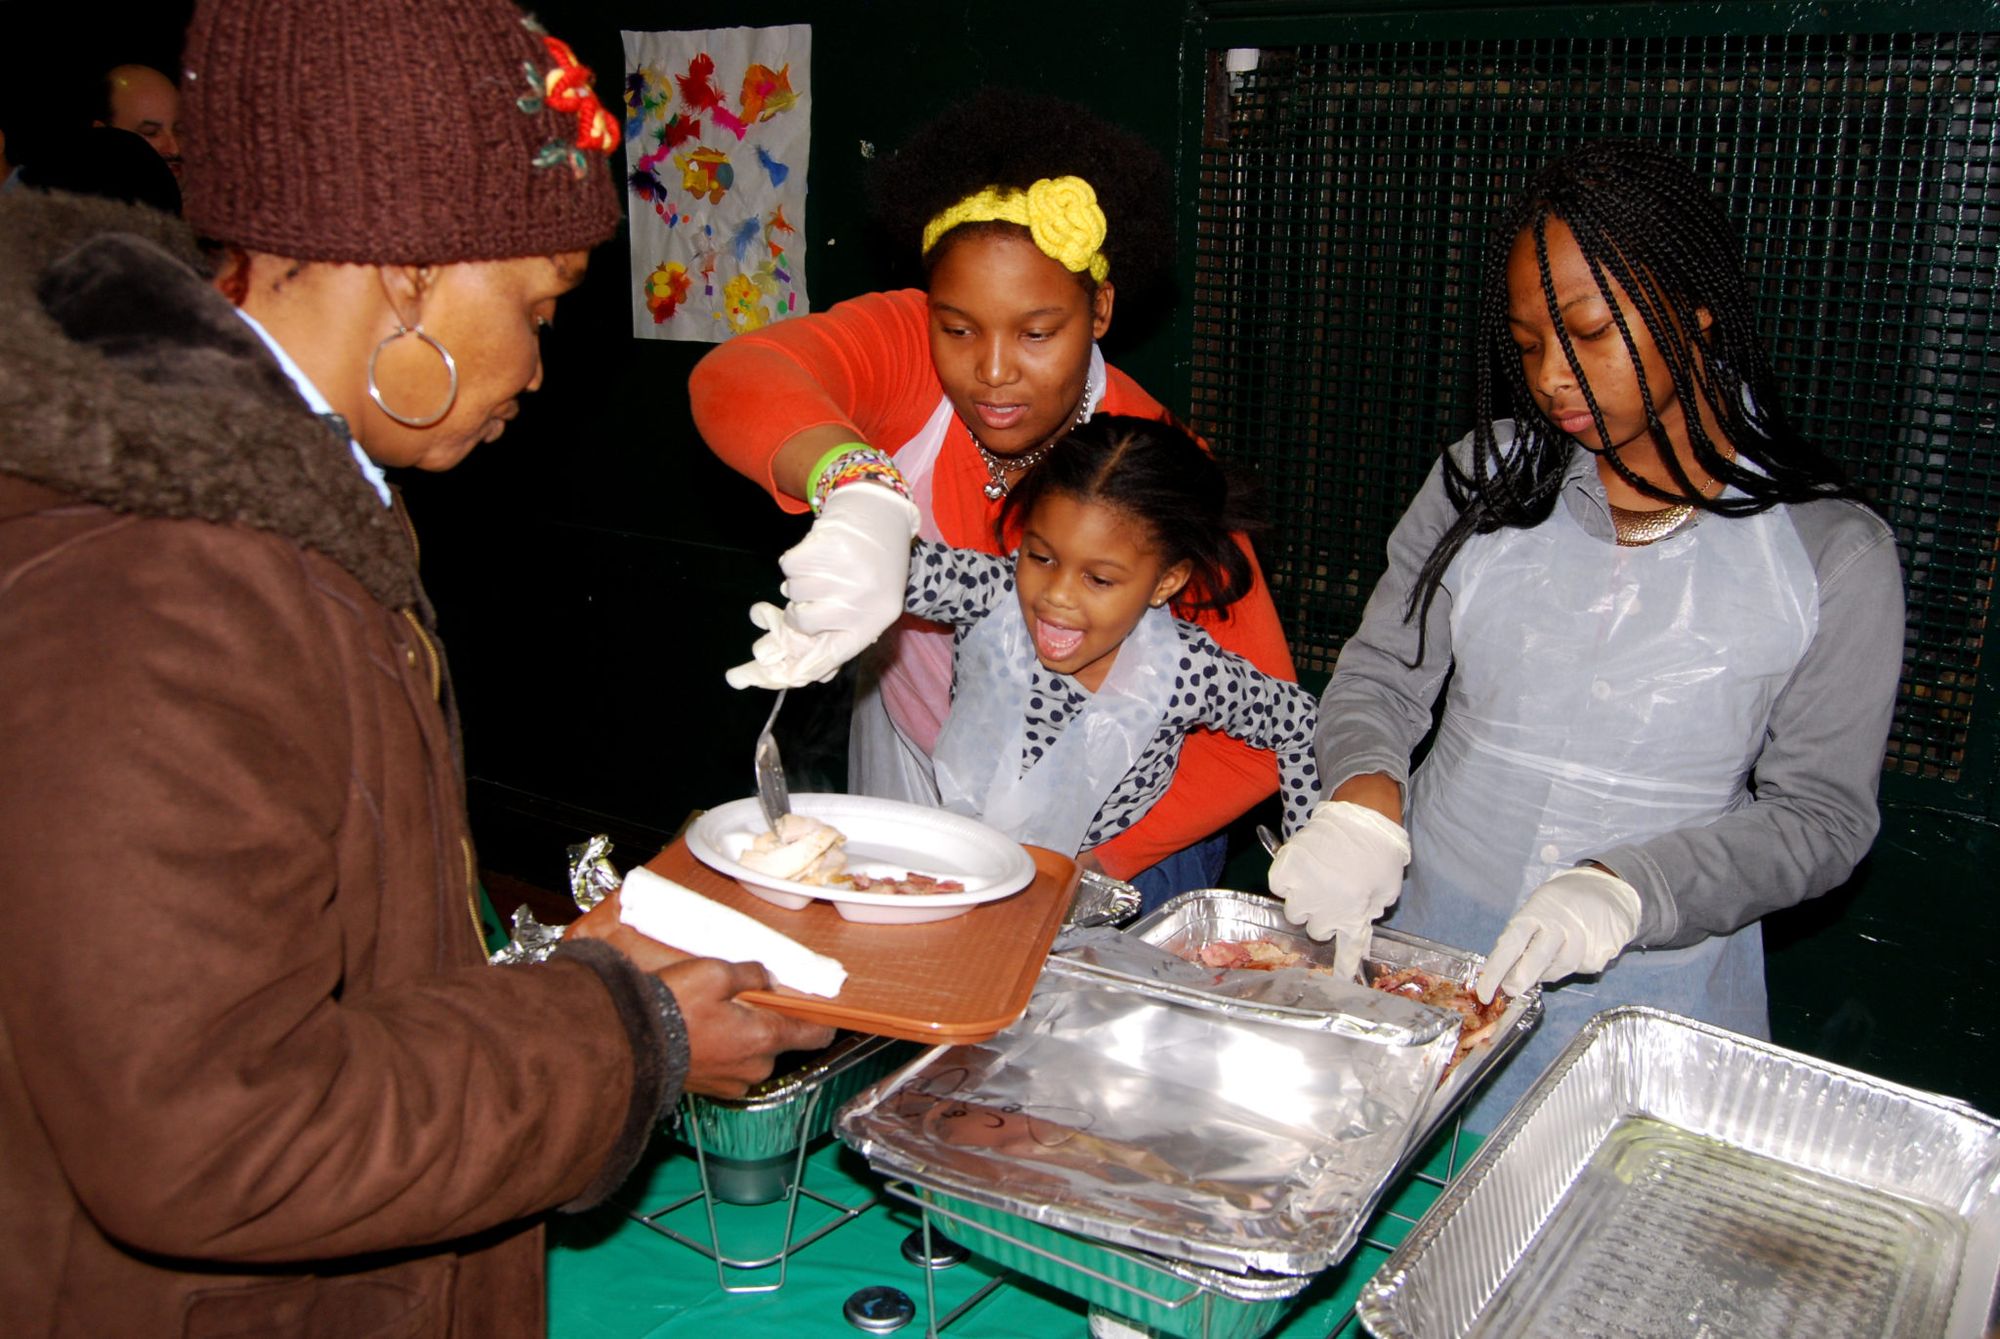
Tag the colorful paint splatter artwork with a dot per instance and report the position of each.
(706, 173)
(717, 127)
(666, 289)
(766, 92)
(776, 170)
(743, 305)
(646, 99)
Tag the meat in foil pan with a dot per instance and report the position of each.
(1244, 935)
(1298, 992)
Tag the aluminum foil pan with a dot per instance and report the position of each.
(1070, 1263)
(1150, 1119)
(1145, 1294)
(1667, 1178)
(1192, 921)
(1101, 900)
(772, 1119)
(1289, 996)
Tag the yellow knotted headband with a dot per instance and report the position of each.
(1060, 214)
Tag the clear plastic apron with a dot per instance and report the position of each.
(978, 756)
(1600, 696)
(903, 692)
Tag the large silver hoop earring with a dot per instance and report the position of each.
(450, 366)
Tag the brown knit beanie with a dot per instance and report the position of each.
(407, 132)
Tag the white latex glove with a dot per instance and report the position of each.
(784, 657)
(849, 573)
(844, 582)
(1338, 873)
(1577, 921)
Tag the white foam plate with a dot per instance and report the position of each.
(885, 839)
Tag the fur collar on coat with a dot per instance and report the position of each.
(128, 381)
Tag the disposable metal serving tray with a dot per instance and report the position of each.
(1248, 1135)
(1667, 1178)
(770, 1121)
(1169, 1297)
(1192, 921)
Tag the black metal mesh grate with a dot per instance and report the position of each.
(1344, 196)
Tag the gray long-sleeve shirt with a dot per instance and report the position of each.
(1813, 814)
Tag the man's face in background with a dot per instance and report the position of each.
(145, 102)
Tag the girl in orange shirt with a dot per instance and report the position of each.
(1028, 213)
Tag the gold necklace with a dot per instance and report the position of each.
(1637, 528)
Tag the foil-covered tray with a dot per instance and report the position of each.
(1193, 921)
(1167, 1297)
(1242, 1138)
(1101, 900)
(772, 1119)
(750, 1148)
(1668, 1178)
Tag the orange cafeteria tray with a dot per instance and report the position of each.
(957, 980)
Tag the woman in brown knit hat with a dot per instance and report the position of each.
(255, 1076)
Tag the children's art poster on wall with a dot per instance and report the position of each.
(717, 130)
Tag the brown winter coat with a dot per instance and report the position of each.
(255, 1078)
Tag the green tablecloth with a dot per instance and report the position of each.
(611, 1277)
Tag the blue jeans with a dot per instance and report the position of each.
(1197, 866)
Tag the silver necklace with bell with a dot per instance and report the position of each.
(998, 466)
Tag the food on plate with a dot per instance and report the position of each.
(801, 849)
(806, 850)
(1476, 1021)
(910, 884)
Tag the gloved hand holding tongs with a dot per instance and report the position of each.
(1340, 872)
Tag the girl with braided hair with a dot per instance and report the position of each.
(912, 414)
(1672, 637)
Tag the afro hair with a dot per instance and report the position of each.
(1007, 138)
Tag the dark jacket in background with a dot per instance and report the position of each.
(104, 160)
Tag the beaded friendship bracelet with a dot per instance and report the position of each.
(851, 462)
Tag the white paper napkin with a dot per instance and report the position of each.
(680, 917)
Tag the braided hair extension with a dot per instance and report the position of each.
(1642, 220)
(1156, 473)
(1010, 139)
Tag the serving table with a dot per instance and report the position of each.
(611, 1277)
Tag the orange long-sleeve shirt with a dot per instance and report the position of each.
(865, 366)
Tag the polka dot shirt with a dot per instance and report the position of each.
(1213, 688)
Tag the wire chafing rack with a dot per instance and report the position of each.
(1150, 1295)
(753, 1151)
